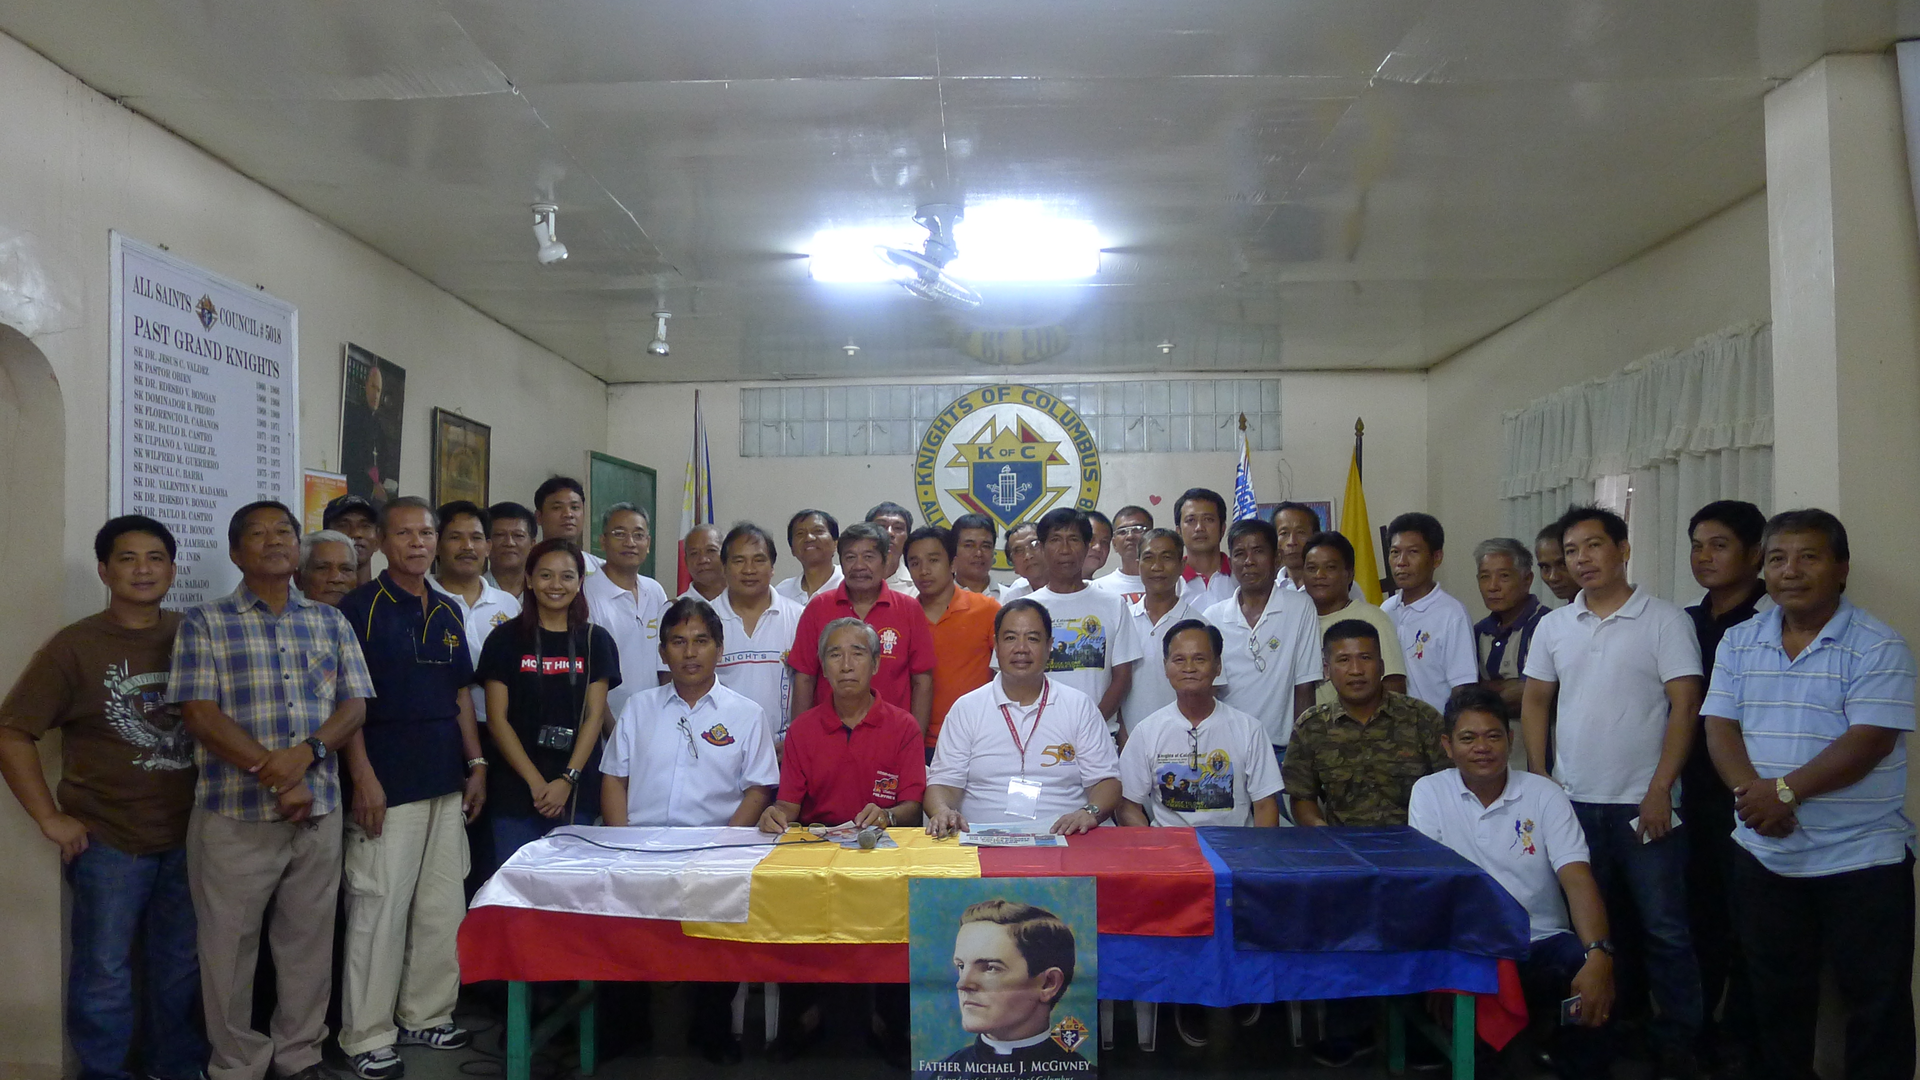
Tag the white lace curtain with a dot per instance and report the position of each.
(1687, 427)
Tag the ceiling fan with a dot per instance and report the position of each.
(926, 275)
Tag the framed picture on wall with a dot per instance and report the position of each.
(462, 458)
(1321, 507)
(373, 396)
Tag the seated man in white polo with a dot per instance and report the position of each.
(1520, 828)
(1024, 748)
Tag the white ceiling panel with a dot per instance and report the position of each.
(1307, 184)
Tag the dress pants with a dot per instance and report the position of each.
(233, 869)
(404, 905)
(1860, 921)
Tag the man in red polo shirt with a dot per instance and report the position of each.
(853, 757)
(905, 678)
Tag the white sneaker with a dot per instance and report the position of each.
(381, 1064)
(443, 1037)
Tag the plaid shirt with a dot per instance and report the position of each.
(279, 677)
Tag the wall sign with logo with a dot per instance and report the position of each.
(203, 408)
(1009, 452)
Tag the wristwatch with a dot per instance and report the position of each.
(571, 776)
(1781, 789)
(1603, 945)
(1092, 808)
(319, 749)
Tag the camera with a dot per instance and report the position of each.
(554, 737)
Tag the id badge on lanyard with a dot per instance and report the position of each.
(1023, 794)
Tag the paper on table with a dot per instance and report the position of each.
(1010, 834)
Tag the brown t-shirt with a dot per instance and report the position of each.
(127, 760)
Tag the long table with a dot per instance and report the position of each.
(1210, 916)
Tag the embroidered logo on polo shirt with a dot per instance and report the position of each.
(1523, 835)
(888, 639)
(886, 786)
(718, 735)
(447, 639)
(1057, 754)
(1420, 639)
(500, 617)
(1273, 644)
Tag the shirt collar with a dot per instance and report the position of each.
(840, 595)
(1426, 601)
(830, 721)
(1188, 573)
(1738, 613)
(670, 695)
(1529, 608)
(1276, 600)
(1007, 1048)
(1635, 606)
(1769, 624)
(1508, 794)
(1000, 693)
(245, 599)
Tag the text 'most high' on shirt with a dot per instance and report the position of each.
(1068, 752)
(1612, 702)
(831, 772)
(686, 764)
(546, 681)
(1209, 774)
(906, 641)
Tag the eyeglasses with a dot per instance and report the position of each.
(693, 748)
(1253, 650)
(625, 534)
(1130, 530)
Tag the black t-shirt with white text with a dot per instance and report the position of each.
(546, 685)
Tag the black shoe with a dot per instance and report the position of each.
(1423, 1056)
(316, 1071)
(1339, 1053)
(791, 1044)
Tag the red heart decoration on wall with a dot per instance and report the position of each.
(1154, 499)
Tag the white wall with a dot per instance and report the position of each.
(74, 165)
(1712, 276)
(652, 424)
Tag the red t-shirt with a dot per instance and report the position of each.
(906, 641)
(833, 771)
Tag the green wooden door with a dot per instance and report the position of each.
(614, 480)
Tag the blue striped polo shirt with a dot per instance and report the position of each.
(1857, 670)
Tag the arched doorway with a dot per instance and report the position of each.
(32, 529)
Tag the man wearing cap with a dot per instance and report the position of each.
(356, 519)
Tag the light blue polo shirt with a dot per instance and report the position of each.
(1857, 670)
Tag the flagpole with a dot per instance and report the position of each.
(1359, 438)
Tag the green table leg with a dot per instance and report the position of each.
(589, 1029)
(519, 1033)
(1396, 1036)
(1463, 1036)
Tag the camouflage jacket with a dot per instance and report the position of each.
(1363, 774)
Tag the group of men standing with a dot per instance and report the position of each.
(483, 689)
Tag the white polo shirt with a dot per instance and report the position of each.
(1068, 752)
(693, 593)
(1127, 587)
(902, 579)
(1613, 676)
(694, 762)
(756, 664)
(1206, 590)
(1013, 590)
(1151, 691)
(1436, 640)
(496, 606)
(1522, 841)
(1206, 774)
(1262, 663)
(793, 590)
(1093, 635)
(634, 621)
(594, 562)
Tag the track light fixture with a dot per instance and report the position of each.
(551, 249)
(658, 346)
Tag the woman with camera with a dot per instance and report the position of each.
(546, 673)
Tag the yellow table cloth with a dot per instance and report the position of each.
(822, 893)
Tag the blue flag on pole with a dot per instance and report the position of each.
(1244, 504)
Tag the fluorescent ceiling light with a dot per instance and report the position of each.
(1008, 240)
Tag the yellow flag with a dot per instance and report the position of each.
(1358, 530)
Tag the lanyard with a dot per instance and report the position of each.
(1019, 743)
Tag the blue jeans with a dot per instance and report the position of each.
(118, 898)
(1654, 877)
(511, 832)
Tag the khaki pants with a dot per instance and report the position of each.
(405, 900)
(233, 869)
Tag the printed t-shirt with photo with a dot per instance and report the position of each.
(1093, 634)
(1209, 774)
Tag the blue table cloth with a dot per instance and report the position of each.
(1310, 914)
